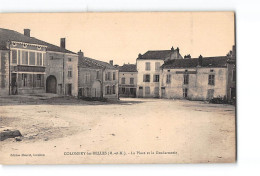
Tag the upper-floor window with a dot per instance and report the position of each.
(69, 59)
(114, 76)
(156, 78)
(131, 80)
(186, 79)
(31, 58)
(168, 79)
(70, 72)
(211, 79)
(147, 66)
(157, 65)
(108, 76)
(146, 78)
(122, 80)
(97, 76)
(14, 56)
(234, 75)
(87, 78)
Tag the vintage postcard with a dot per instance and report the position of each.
(129, 87)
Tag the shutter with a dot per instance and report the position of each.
(144, 78)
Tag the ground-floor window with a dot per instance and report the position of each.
(185, 93)
(81, 91)
(147, 90)
(110, 90)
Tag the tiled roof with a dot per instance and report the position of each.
(159, 54)
(6, 34)
(219, 61)
(96, 64)
(128, 68)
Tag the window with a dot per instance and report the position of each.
(69, 59)
(146, 78)
(39, 59)
(39, 77)
(185, 93)
(14, 56)
(234, 75)
(108, 76)
(32, 58)
(211, 79)
(24, 78)
(147, 66)
(114, 89)
(131, 80)
(70, 72)
(97, 77)
(140, 88)
(157, 65)
(123, 90)
(168, 79)
(87, 78)
(147, 90)
(122, 80)
(185, 79)
(25, 57)
(114, 76)
(163, 91)
(156, 78)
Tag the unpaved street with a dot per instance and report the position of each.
(190, 131)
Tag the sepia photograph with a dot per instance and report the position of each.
(118, 88)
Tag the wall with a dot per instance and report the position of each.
(4, 72)
(141, 71)
(54, 66)
(90, 83)
(198, 83)
(127, 85)
(110, 82)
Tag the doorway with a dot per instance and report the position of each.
(51, 84)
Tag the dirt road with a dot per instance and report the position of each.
(63, 131)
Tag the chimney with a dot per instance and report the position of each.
(81, 54)
(139, 56)
(111, 62)
(178, 50)
(27, 32)
(200, 60)
(187, 56)
(234, 52)
(172, 49)
(63, 43)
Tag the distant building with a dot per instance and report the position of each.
(127, 80)
(30, 65)
(231, 66)
(97, 78)
(194, 78)
(148, 68)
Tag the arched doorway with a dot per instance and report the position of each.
(51, 84)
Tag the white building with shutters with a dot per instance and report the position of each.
(148, 68)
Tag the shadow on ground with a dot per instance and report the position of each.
(42, 100)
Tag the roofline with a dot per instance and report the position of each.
(194, 67)
(30, 44)
(62, 53)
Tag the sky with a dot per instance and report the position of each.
(122, 36)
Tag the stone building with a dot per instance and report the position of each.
(97, 79)
(148, 68)
(127, 80)
(231, 66)
(194, 78)
(30, 65)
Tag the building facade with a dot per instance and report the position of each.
(97, 79)
(194, 78)
(148, 68)
(127, 80)
(28, 66)
(231, 66)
